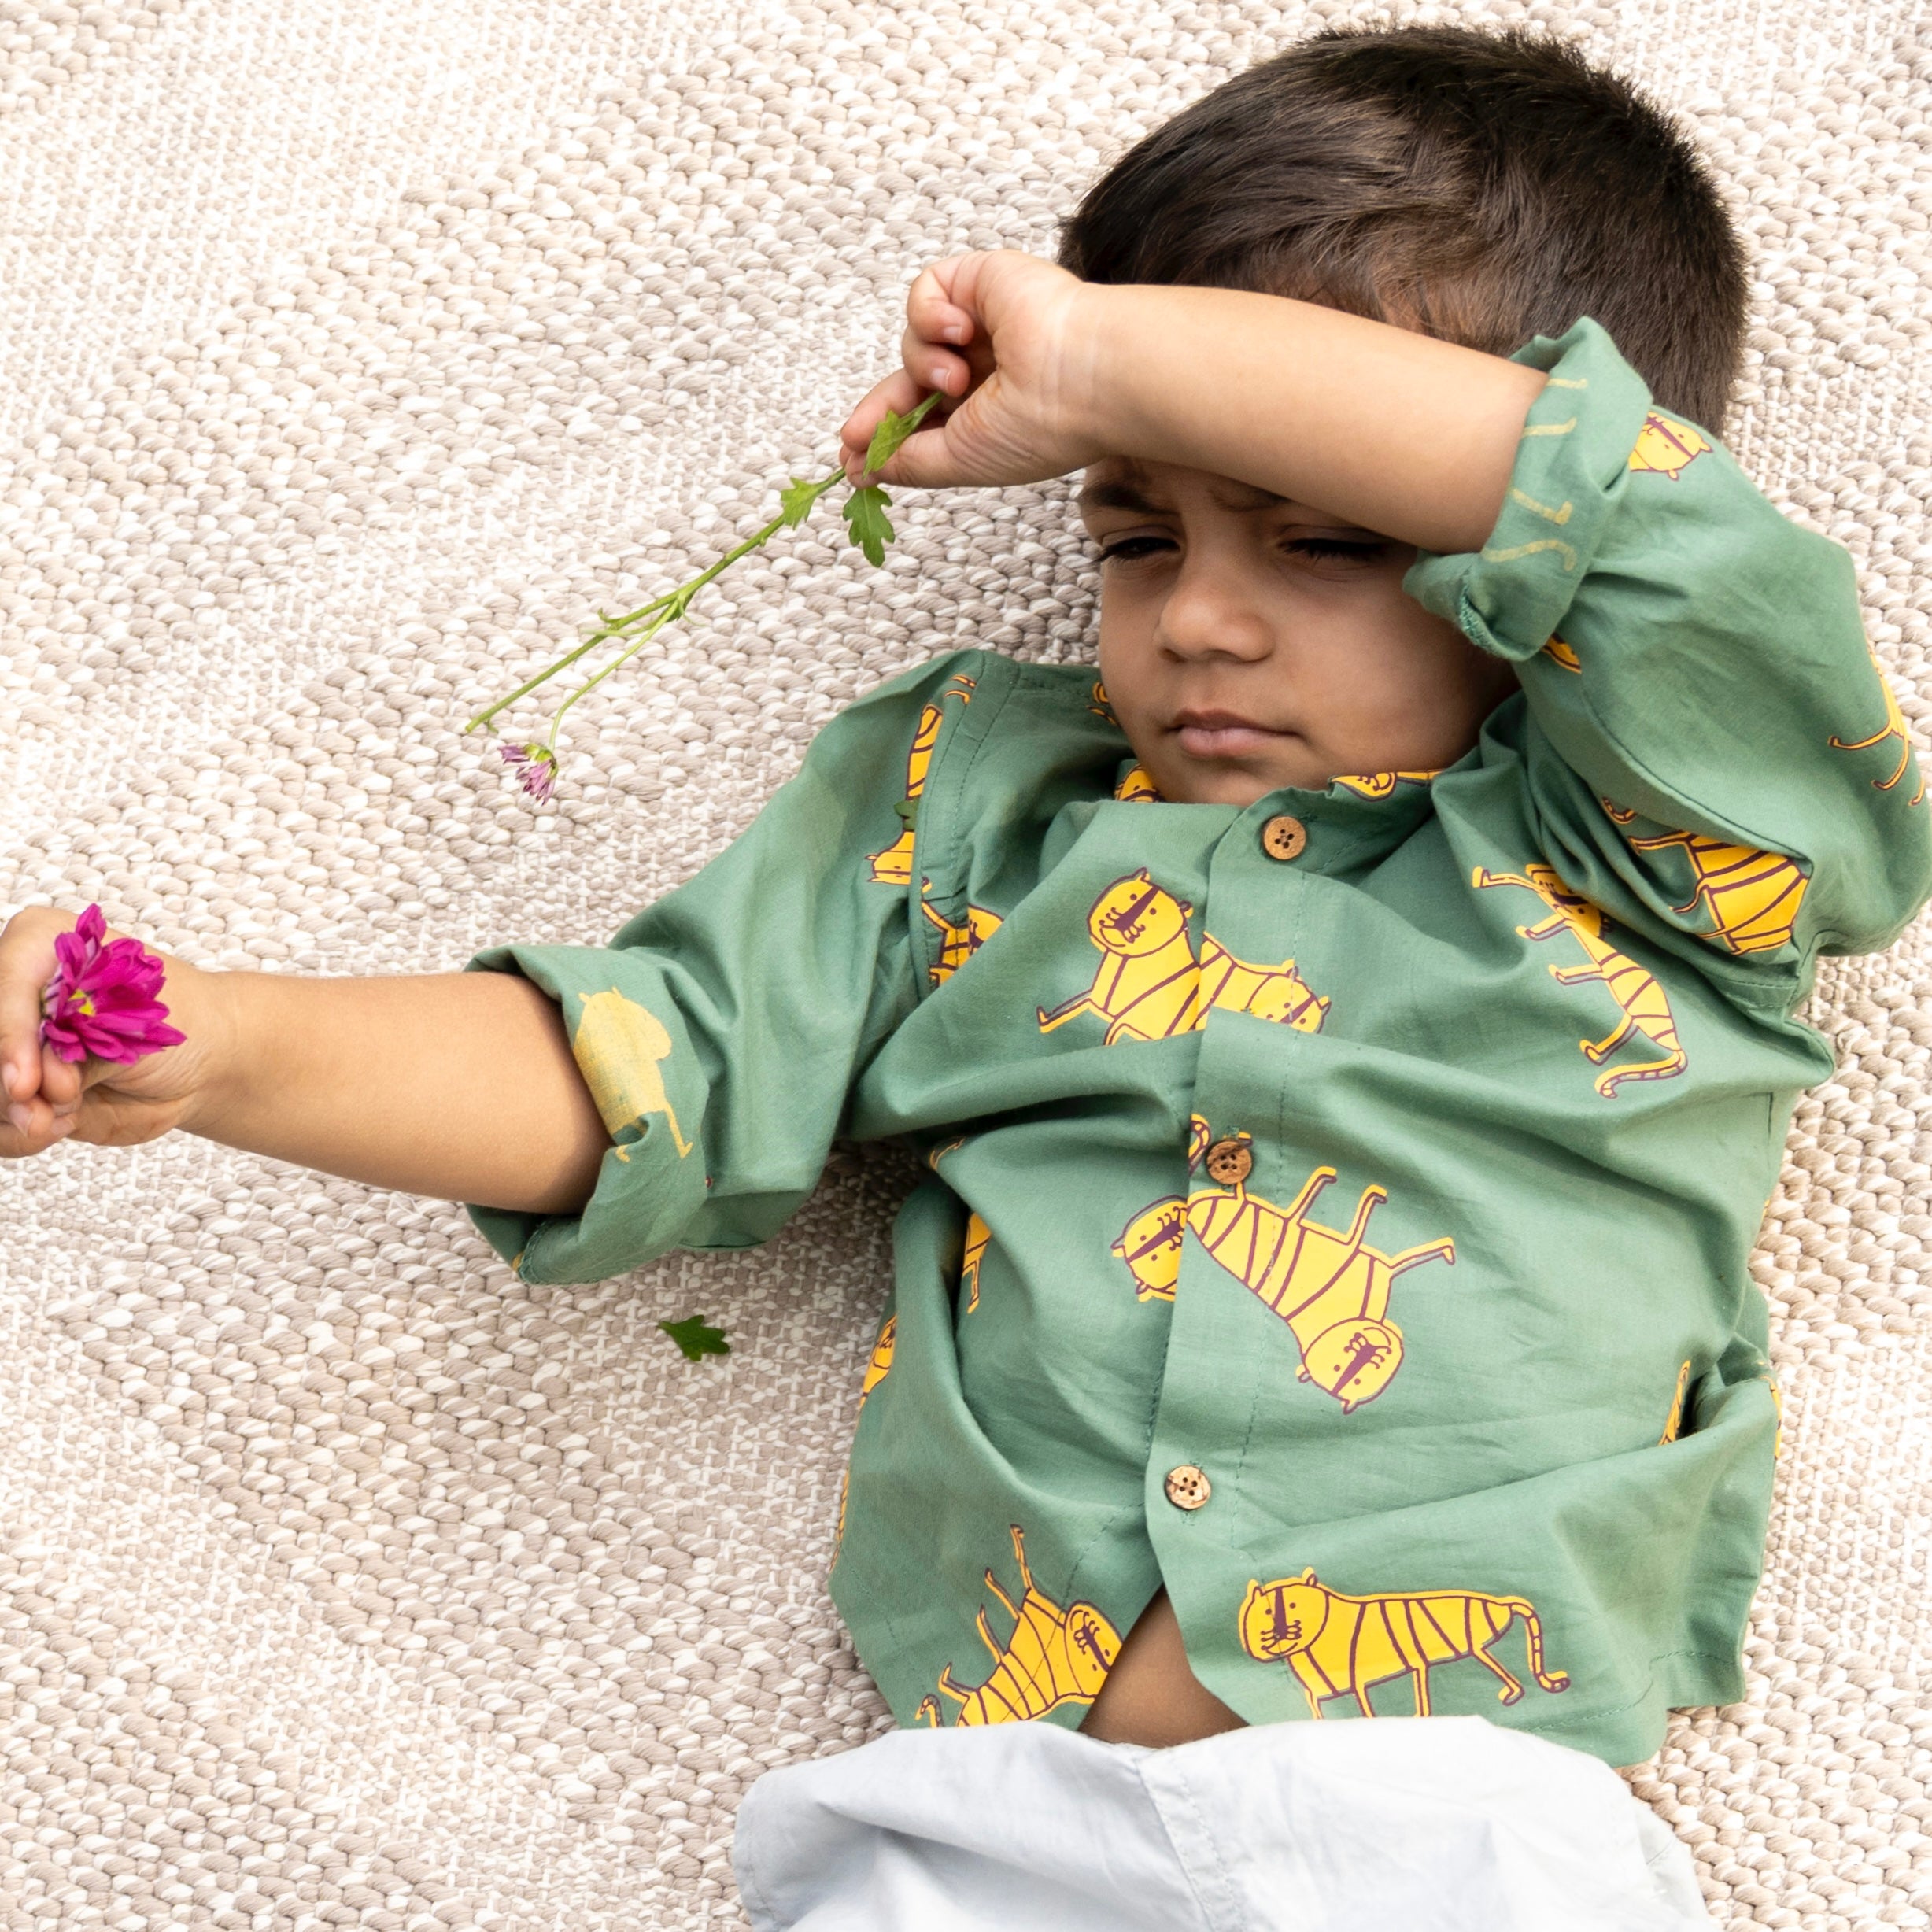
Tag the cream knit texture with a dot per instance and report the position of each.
(352, 353)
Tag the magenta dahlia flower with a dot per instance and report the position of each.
(535, 767)
(101, 999)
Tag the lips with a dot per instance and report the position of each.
(1207, 732)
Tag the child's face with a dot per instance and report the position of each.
(1248, 642)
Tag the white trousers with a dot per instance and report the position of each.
(1399, 1824)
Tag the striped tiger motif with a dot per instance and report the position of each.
(1054, 1656)
(1752, 897)
(1337, 1646)
(1151, 985)
(1646, 1007)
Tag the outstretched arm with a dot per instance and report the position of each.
(460, 1085)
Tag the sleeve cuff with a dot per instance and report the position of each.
(632, 1047)
(1511, 598)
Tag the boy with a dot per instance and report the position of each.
(1351, 1039)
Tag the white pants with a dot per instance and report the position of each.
(1399, 1824)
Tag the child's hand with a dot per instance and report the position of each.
(1007, 337)
(47, 1099)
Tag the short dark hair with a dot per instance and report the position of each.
(1483, 188)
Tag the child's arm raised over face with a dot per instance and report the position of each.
(1400, 433)
(460, 1085)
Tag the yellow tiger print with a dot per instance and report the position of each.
(1338, 1645)
(1674, 1423)
(1381, 784)
(1137, 789)
(1150, 984)
(1646, 1007)
(1665, 447)
(893, 866)
(979, 1238)
(877, 1370)
(1752, 897)
(1330, 1287)
(960, 942)
(1055, 1656)
(1894, 728)
(1149, 1244)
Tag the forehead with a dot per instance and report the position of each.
(1126, 483)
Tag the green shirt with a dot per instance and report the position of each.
(1339, 1207)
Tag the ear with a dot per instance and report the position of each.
(1143, 874)
(1308, 1576)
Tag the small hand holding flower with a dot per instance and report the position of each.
(101, 997)
(85, 1045)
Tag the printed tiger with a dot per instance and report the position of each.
(1338, 1645)
(1053, 1657)
(1150, 985)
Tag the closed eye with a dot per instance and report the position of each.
(1132, 549)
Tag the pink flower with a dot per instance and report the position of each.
(101, 999)
(535, 767)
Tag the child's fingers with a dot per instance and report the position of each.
(898, 391)
(27, 963)
(62, 1082)
(932, 314)
(30, 1127)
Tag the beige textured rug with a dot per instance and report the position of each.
(351, 352)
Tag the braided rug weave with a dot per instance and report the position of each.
(352, 352)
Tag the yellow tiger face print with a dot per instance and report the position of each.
(1150, 985)
(960, 942)
(893, 866)
(1338, 1645)
(1752, 897)
(1558, 653)
(1382, 784)
(1327, 1284)
(1137, 789)
(1149, 1244)
(1053, 1657)
(619, 1047)
(1134, 917)
(1665, 447)
(1893, 729)
(1646, 1010)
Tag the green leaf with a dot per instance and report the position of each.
(795, 504)
(865, 510)
(892, 432)
(695, 1339)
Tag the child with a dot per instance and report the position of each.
(1351, 1037)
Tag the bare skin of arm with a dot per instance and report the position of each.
(461, 1085)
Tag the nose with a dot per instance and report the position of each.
(1208, 613)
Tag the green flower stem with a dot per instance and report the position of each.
(869, 529)
(679, 600)
(612, 627)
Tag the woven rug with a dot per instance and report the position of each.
(352, 352)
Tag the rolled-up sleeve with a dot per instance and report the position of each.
(721, 1031)
(1710, 748)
